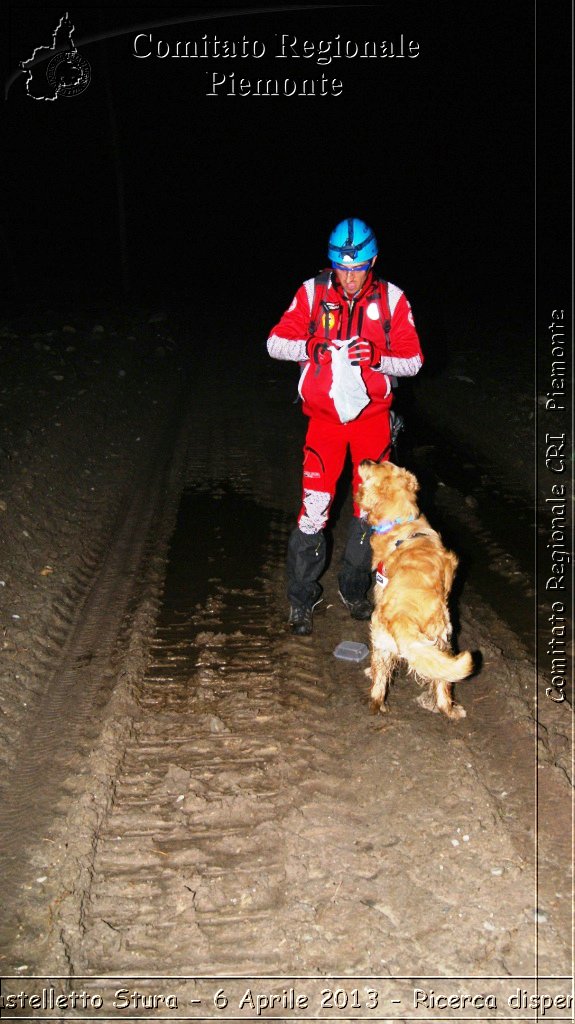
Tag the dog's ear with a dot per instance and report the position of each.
(411, 482)
(365, 470)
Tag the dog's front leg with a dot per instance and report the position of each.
(381, 669)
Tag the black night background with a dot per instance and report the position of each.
(436, 151)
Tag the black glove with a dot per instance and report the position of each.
(318, 351)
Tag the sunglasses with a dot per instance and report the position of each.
(358, 269)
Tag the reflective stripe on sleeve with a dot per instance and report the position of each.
(397, 367)
(287, 348)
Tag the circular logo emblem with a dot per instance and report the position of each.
(373, 311)
(330, 320)
(68, 73)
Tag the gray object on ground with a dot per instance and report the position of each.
(349, 650)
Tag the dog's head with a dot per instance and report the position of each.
(386, 491)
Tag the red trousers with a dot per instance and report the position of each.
(325, 449)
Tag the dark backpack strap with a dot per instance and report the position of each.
(383, 291)
(384, 294)
(320, 285)
(381, 294)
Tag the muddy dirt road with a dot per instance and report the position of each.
(194, 791)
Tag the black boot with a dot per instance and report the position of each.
(301, 618)
(355, 571)
(305, 564)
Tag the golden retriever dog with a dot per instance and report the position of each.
(410, 618)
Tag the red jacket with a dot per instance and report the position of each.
(343, 318)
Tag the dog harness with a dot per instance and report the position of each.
(381, 577)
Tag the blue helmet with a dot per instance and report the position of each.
(351, 243)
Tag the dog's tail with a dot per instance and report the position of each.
(428, 659)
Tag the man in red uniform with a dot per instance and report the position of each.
(350, 332)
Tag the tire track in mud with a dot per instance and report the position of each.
(48, 806)
(206, 798)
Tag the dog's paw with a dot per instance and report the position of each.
(427, 700)
(376, 708)
(456, 711)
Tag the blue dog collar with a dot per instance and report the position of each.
(387, 524)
